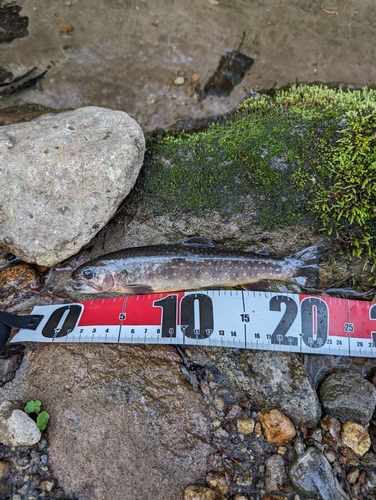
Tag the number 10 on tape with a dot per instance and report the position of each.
(239, 319)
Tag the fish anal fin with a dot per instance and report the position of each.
(198, 241)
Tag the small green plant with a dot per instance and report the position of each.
(33, 408)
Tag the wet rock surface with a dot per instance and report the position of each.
(272, 380)
(348, 396)
(65, 175)
(128, 404)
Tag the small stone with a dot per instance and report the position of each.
(312, 476)
(233, 411)
(258, 430)
(48, 485)
(348, 396)
(352, 475)
(330, 455)
(240, 497)
(217, 482)
(170, 81)
(4, 469)
(356, 437)
(196, 492)
(245, 425)
(219, 403)
(299, 445)
(221, 434)
(195, 78)
(16, 427)
(278, 429)
(179, 80)
(66, 29)
(275, 471)
(332, 425)
(371, 481)
(245, 479)
(282, 450)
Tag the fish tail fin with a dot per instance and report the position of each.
(307, 266)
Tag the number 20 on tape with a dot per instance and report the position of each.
(240, 319)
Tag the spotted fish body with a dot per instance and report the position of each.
(192, 265)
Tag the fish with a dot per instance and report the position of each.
(191, 265)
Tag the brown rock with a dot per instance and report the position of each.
(278, 429)
(195, 492)
(332, 425)
(356, 437)
(15, 284)
(218, 482)
(128, 405)
(195, 77)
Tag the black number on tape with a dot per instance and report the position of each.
(197, 326)
(315, 322)
(168, 305)
(62, 321)
(288, 318)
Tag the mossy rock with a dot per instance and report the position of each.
(306, 155)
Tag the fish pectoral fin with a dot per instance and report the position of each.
(137, 289)
(198, 241)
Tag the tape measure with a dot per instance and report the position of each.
(298, 323)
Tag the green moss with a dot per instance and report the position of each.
(305, 154)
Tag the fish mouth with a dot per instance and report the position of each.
(86, 288)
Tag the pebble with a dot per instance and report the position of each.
(331, 425)
(195, 77)
(218, 482)
(348, 396)
(16, 427)
(352, 475)
(196, 492)
(245, 425)
(233, 411)
(311, 475)
(275, 471)
(356, 437)
(245, 479)
(179, 80)
(277, 428)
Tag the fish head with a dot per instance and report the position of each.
(94, 278)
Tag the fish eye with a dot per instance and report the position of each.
(87, 273)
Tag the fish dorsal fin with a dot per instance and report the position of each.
(198, 241)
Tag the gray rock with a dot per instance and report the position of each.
(16, 427)
(65, 175)
(312, 476)
(269, 379)
(275, 471)
(348, 396)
